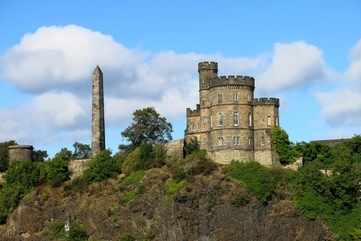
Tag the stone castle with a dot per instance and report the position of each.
(229, 122)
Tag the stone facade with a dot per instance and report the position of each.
(98, 126)
(20, 153)
(175, 148)
(229, 122)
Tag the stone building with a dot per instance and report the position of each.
(229, 122)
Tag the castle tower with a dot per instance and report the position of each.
(229, 122)
(98, 127)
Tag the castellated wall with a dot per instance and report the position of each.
(228, 121)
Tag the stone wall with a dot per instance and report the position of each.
(175, 148)
(77, 167)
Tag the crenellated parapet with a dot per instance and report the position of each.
(266, 101)
(232, 80)
(195, 112)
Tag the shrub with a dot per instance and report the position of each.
(259, 180)
(4, 155)
(144, 157)
(191, 146)
(133, 179)
(10, 196)
(101, 167)
(25, 173)
(57, 171)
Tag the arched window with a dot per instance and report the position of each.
(236, 118)
(250, 119)
(220, 119)
(249, 141)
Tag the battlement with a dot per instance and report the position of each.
(195, 112)
(266, 101)
(207, 65)
(238, 80)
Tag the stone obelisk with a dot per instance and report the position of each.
(98, 127)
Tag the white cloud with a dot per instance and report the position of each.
(341, 107)
(44, 119)
(354, 70)
(293, 64)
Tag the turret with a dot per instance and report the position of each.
(207, 71)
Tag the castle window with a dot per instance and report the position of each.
(249, 141)
(211, 121)
(269, 121)
(277, 121)
(220, 140)
(235, 118)
(220, 98)
(236, 140)
(235, 97)
(220, 119)
(249, 119)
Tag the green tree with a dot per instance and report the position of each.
(282, 145)
(64, 153)
(81, 151)
(4, 154)
(39, 155)
(148, 127)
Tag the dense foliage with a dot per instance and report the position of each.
(147, 127)
(4, 154)
(328, 186)
(39, 155)
(23, 176)
(101, 167)
(144, 157)
(191, 146)
(283, 146)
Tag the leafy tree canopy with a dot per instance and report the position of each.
(148, 127)
(81, 151)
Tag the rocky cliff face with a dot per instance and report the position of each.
(208, 207)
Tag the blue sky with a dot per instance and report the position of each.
(308, 53)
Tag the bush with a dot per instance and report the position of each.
(10, 196)
(259, 180)
(4, 155)
(57, 171)
(25, 173)
(283, 146)
(191, 146)
(101, 167)
(144, 157)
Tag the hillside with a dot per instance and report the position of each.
(151, 205)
